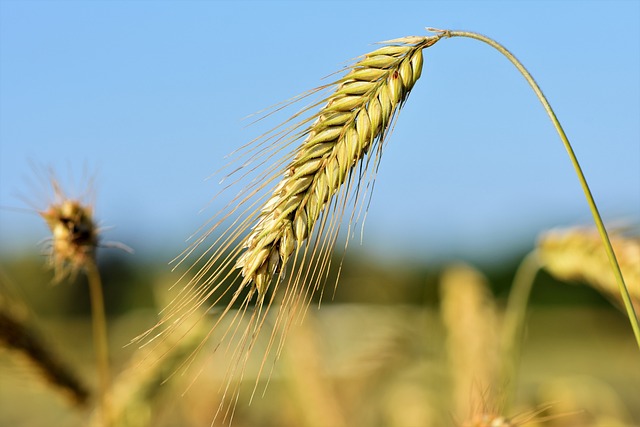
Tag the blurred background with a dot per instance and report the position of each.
(149, 96)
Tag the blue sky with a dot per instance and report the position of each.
(151, 95)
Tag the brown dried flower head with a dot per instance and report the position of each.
(74, 235)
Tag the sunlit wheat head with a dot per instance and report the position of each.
(272, 244)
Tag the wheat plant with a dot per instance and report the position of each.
(298, 220)
(273, 242)
(75, 237)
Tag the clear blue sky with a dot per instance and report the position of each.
(152, 94)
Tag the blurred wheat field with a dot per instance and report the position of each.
(376, 356)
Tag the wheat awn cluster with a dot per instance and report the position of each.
(275, 239)
(291, 210)
(355, 117)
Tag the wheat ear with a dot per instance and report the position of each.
(356, 117)
(290, 211)
(471, 321)
(576, 254)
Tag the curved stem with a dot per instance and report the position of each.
(100, 341)
(583, 182)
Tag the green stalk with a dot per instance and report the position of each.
(100, 341)
(583, 182)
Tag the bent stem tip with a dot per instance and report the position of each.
(615, 267)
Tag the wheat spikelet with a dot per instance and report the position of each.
(296, 221)
(576, 254)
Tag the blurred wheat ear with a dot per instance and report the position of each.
(470, 318)
(576, 254)
(74, 233)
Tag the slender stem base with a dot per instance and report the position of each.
(100, 341)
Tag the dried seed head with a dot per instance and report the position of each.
(74, 235)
